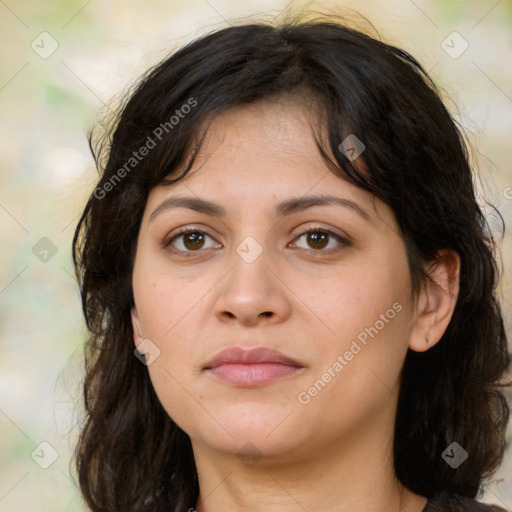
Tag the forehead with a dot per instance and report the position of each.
(285, 128)
(254, 142)
(255, 155)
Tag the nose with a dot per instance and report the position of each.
(253, 292)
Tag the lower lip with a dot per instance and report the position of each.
(252, 375)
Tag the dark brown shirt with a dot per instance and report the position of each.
(446, 502)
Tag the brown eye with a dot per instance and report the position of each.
(193, 241)
(319, 239)
(189, 240)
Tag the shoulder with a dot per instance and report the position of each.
(448, 502)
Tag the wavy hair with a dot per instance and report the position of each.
(131, 456)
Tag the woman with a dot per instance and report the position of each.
(286, 232)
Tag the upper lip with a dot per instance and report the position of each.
(250, 356)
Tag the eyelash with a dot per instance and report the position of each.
(317, 229)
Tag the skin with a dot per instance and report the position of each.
(335, 452)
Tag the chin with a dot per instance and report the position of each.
(269, 432)
(253, 444)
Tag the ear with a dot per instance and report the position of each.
(137, 331)
(437, 301)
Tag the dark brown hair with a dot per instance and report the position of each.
(131, 456)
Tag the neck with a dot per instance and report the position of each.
(354, 473)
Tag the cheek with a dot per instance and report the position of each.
(344, 304)
(357, 378)
(164, 301)
(363, 324)
(164, 307)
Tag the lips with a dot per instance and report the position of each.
(250, 356)
(243, 367)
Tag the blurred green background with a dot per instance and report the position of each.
(62, 62)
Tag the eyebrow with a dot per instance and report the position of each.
(282, 209)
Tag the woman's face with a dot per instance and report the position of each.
(249, 275)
